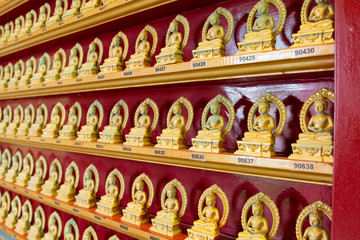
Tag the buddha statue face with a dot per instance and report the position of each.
(215, 19)
(73, 52)
(29, 65)
(144, 110)
(17, 112)
(143, 35)
(112, 179)
(28, 16)
(39, 112)
(69, 172)
(72, 110)
(171, 191)
(7, 27)
(117, 110)
(174, 26)
(320, 105)
(315, 219)
(139, 185)
(7, 72)
(257, 209)
(210, 200)
(177, 109)
(263, 7)
(17, 21)
(264, 108)
(215, 108)
(88, 175)
(92, 47)
(58, 3)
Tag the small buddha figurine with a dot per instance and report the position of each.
(26, 172)
(14, 215)
(44, 66)
(318, 27)
(30, 70)
(209, 224)
(37, 180)
(175, 42)
(51, 185)
(141, 133)
(143, 49)
(257, 225)
(71, 230)
(54, 227)
(173, 136)
(58, 12)
(23, 225)
(89, 132)
(44, 15)
(8, 73)
(75, 62)
(94, 58)
(5, 164)
(69, 131)
(90, 234)
(213, 39)
(30, 19)
(211, 137)
(7, 116)
(90, 4)
(16, 165)
(113, 132)
(136, 210)
(19, 24)
(67, 190)
(9, 27)
(167, 220)
(36, 129)
(260, 139)
(24, 127)
(117, 54)
(58, 64)
(18, 72)
(36, 231)
(87, 196)
(261, 36)
(57, 119)
(74, 9)
(316, 141)
(5, 206)
(17, 119)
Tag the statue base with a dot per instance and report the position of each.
(3, 127)
(88, 71)
(14, 82)
(310, 151)
(85, 202)
(108, 209)
(23, 182)
(37, 79)
(138, 63)
(175, 56)
(110, 137)
(256, 148)
(257, 42)
(22, 227)
(70, 135)
(136, 218)
(10, 222)
(68, 73)
(313, 37)
(53, 19)
(52, 76)
(87, 137)
(47, 133)
(88, 6)
(163, 227)
(133, 140)
(23, 130)
(208, 52)
(34, 235)
(207, 145)
(48, 191)
(3, 84)
(170, 142)
(35, 132)
(65, 196)
(34, 186)
(24, 81)
(10, 177)
(70, 13)
(12, 129)
(195, 234)
(112, 65)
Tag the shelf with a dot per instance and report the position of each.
(276, 63)
(8, 5)
(276, 167)
(11, 232)
(95, 17)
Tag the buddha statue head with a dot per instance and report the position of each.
(177, 109)
(320, 105)
(174, 26)
(263, 7)
(144, 109)
(171, 191)
(143, 35)
(215, 18)
(264, 106)
(210, 200)
(215, 108)
(257, 208)
(139, 185)
(315, 218)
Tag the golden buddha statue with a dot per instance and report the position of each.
(36, 230)
(26, 172)
(19, 69)
(36, 129)
(109, 204)
(173, 137)
(17, 119)
(5, 163)
(212, 136)
(57, 120)
(90, 234)
(14, 215)
(9, 28)
(30, 19)
(16, 165)
(23, 225)
(143, 49)
(117, 54)
(71, 230)
(44, 16)
(318, 27)
(260, 139)
(51, 185)
(316, 141)
(257, 227)
(58, 65)
(167, 221)
(43, 68)
(8, 74)
(75, 62)
(29, 72)
(60, 7)
(94, 118)
(37, 180)
(261, 35)
(113, 132)
(29, 119)
(136, 210)
(67, 190)
(74, 9)
(5, 206)
(54, 227)
(87, 196)
(19, 24)
(69, 131)
(94, 58)
(140, 134)
(6, 119)
(214, 40)
(90, 4)
(209, 223)
(315, 231)
(175, 42)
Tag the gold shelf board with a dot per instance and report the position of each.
(11, 232)
(276, 167)
(114, 223)
(100, 15)
(8, 5)
(276, 63)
